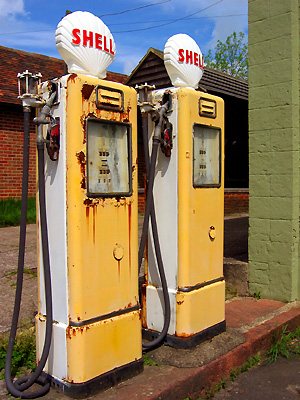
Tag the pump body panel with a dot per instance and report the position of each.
(189, 204)
(91, 194)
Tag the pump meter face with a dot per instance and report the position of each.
(108, 158)
(207, 156)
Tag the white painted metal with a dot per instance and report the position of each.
(55, 182)
(165, 194)
(183, 61)
(56, 364)
(85, 43)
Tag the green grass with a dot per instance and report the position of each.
(148, 361)
(23, 358)
(10, 212)
(285, 344)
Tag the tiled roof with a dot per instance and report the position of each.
(14, 61)
(151, 69)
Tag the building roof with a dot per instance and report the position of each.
(151, 69)
(14, 61)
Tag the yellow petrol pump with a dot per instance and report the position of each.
(91, 197)
(188, 195)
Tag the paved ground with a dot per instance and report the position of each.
(277, 381)
(186, 373)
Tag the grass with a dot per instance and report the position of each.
(257, 295)
(148, 361)
(10, 212)
(285, 344)
(23, 357)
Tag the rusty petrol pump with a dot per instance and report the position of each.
(89, 126)
(92, 219)
(89, 334)
(188, 198)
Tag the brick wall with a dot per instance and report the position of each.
(11, 152)
(236, 201)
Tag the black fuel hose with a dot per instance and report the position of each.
(150, 211)
(18, 387)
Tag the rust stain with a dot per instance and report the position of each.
(73, 331)
(119, 269)
(87, 91)
(180, 302)
(184, 335)
(72, 77)
(94, 222)
(88, 202)
(82, 162)
(87, 212)
(143, 311)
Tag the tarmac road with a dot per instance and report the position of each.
(277, 381)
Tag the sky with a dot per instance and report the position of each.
(136, 25)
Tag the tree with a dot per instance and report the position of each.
(230, 57)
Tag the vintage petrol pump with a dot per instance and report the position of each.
(188, 194)
(91, 197)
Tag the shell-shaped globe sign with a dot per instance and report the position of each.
(183, 61)
(85, 44)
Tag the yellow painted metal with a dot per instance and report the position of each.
(103, 346)
(102, 246)
(200, 210)
(98, 282)
(200, 309)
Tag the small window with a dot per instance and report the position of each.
(108, 158)
(207, 156)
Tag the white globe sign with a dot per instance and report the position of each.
(85, 44)
(183, 61)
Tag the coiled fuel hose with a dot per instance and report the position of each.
(150, 211)
(18, 387)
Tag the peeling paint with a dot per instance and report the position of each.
(82, 162)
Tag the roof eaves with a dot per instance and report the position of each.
(157, 52)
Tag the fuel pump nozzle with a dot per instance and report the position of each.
(45, 117)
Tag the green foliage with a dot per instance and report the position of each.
(230, 57)
(284, 344)
(257, 295)
(148, 361)
(235, 372)
(211, 392)
(10, 212)
(23, 357)
(251, 362)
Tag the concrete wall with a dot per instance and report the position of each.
(274, 148)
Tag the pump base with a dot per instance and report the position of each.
(187, 342)
(98, 384)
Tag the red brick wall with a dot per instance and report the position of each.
(11, 152)
(235, 201)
